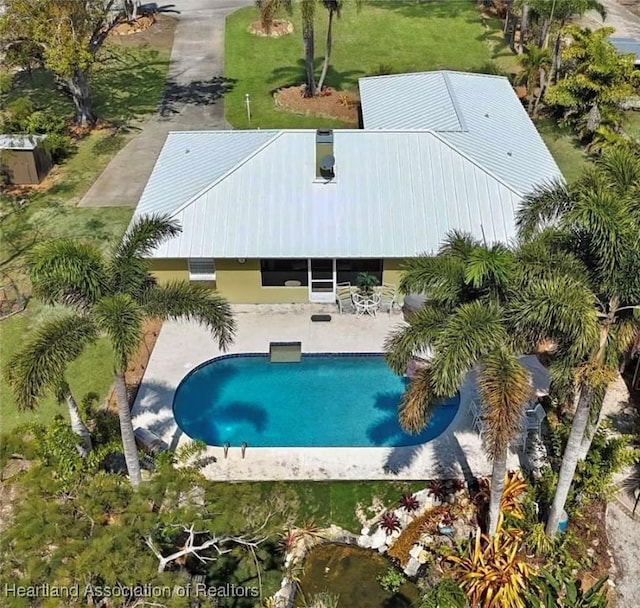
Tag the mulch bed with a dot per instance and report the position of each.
(341, 105)
(126, 28)
(278, 28)
(592, 530)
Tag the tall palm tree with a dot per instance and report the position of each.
(270, 8)
(112, 296)
(39, 367)
(308, 14)
(597, 220)
(333, 8)
(535, 62)
(479, 301)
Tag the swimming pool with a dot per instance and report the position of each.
(337, 400)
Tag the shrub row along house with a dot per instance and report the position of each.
(284, 216)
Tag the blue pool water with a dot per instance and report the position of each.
(323, 401)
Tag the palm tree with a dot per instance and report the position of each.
(39, 367)
(597, 220)
(479, 301)
(535, 61)
(270, 8)
(308, 13)
(112, 296)
(333, 8)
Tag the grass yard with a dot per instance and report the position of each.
(127, 88)
(384, 37)
(564, 147)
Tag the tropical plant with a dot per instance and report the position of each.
(596, 221)
(446, 593)
(513, 492)
(535, 63)
(483, 310)
(111, 296)
(595, 81)
(537, 541)
(390, 523)
(409, 503)
(553, 591)
(391, 580)
(270, 8)
(366, 282)
(493, 574)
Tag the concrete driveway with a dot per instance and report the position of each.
(193, 100)
(626, 23)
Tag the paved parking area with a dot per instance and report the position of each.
(183, 346)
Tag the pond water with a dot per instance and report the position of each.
(351, 572)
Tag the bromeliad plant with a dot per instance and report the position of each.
(494, 575)
(390, 523)
(409, 503)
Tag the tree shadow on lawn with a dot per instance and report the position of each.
(131, 85)
(195, 93)
(439, 9)
(294, 75)
(41, 87)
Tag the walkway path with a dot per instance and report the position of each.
(193, 100)
(624, 536)
(626, 23)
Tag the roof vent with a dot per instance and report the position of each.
(325, 160)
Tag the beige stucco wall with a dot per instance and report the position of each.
(241, 284)
(170, 270)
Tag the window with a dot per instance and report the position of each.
(284, 273)
(347, 270)
(202, 269)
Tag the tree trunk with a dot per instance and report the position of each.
(497, 487)
(524, 24)
(555, 58)
(309, 55)
(570, 459)
(327, 52)
(541, 90)
(131, 9)
(531, 86)
(78, 85)
(544, 33)
(126, 430)
(78, 426)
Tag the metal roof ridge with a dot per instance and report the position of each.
(454, 101)
(477, 164)
(226, 174)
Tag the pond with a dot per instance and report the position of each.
(351, 572)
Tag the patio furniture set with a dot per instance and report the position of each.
(532, 419)
(351, 300)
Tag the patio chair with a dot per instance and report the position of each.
(344, 299)
(534, 418)
(388, 297)
(476, 415)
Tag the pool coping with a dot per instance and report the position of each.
(457, 452)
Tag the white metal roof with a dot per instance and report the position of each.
(396, 194)
(20, 141)
(627, 46)
(493, 127)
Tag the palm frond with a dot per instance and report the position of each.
(417, 402)
(621, 164)
(469, 333)
(505, 386)
(490, 267)
(129, 270)
(458, 244)
(559, 309)
(68, 272)
(39, 365)
(542, 208)
(406, 342)
(193, 302)
(440, 277)
(120, 317)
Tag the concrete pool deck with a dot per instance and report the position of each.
(182, 346)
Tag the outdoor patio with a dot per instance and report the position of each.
(181, 347)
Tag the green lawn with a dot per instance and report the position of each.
(127, 87)
(632, 125)
(384, 37)
(564, 147)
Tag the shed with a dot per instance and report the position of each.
(23, 158)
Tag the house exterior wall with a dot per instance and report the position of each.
(242, 283)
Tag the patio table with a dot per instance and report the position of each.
(366, 304)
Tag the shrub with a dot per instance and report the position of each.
(59, 146)
(392, 580)
(445, 594)
(44, 121)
